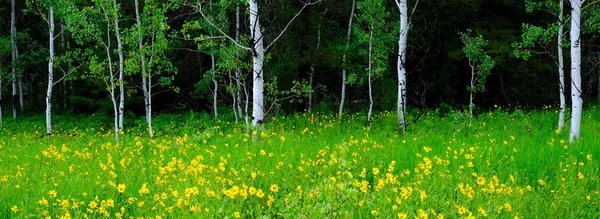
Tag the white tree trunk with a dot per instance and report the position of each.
(111, 82)
(576, 98)
(471, 96)
(258, 56)
(234, 98)
(370, 75)
(344, 76)
(561, 71)
(237, 70)
(13, 40)
(246, 115)
(216, 86)
(50, 75)
(145, 77)
(403, 8)
(121, 69)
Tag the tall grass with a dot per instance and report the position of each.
(506, 164)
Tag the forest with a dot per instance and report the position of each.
(299, 108)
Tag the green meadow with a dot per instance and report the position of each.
(507, 164)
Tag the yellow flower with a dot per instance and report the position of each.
(236, 214)
(274, 188)
(52, 193)
(270, 201)
(402, 216)
(480, 180)
(260, 193)
(422, 195)
(144, 190)
(580, 175)
(422, 214)
(375, 171)
(43, 201)
(374, 213)
(121, 188)
(482, 212)
(282, 138)
(542, 182)
(14, 208)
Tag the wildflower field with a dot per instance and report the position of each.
(505, 165)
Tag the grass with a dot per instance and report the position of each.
(506, 165)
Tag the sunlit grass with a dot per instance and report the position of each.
(505, 165)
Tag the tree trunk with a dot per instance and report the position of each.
(576, 98)
(246, 115)
(216, 86)
(121, 69)
(234, 98)
(50, 76)
(344, 76)
(145, 77)
(111, 82)
(472, 91)
(258, 56)
(370, 75)
(561, 71)
(403, 8)
(237, 70)
(13, 39)
(21, 99)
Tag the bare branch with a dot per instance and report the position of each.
(221, 31)
(290, 22)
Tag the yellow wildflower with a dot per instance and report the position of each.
(144, 190)
(121, 188)
(402, 215)
(43, 201)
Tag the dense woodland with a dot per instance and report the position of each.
(133, 58)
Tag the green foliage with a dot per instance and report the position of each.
(481, 63)
(533, 36)
(275, 96)
(372, 18)
(156, 46)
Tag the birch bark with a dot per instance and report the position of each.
(576, 98)
(370, 75)
(13, 40)
(402, 7)
(50, 75)
(561, 71)
(344, 76)
(120, 51)
(258, 56)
